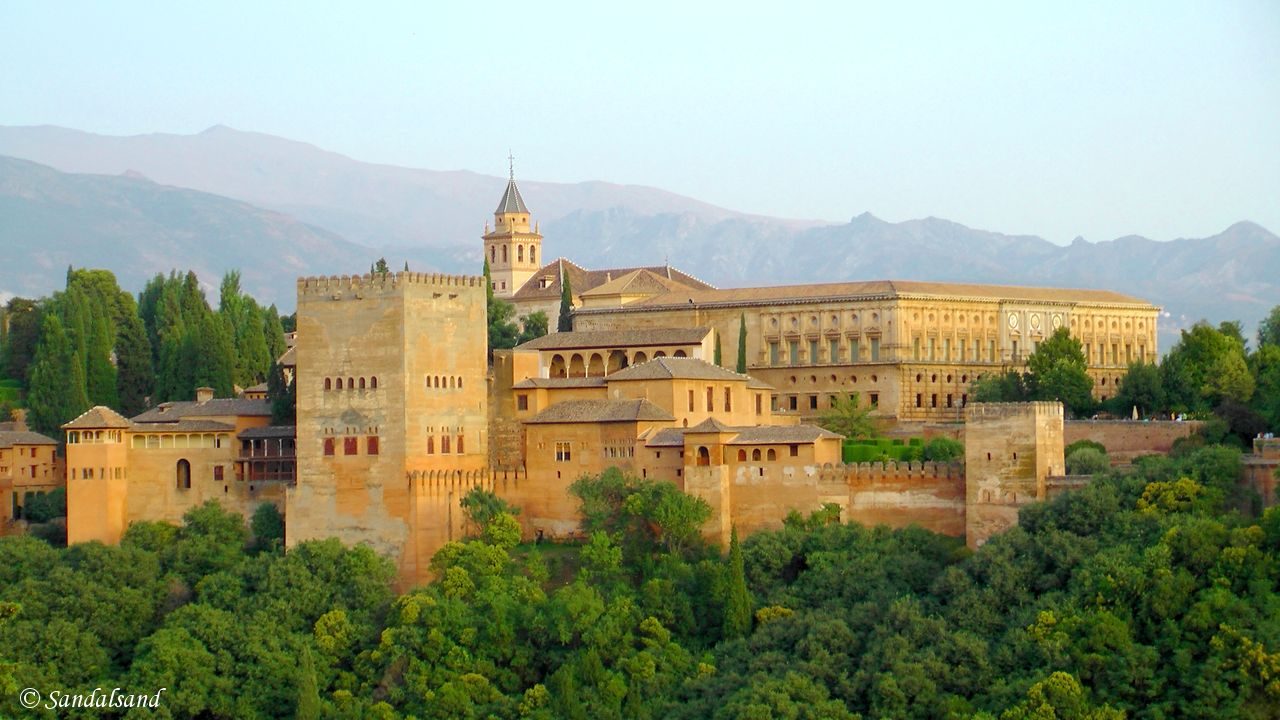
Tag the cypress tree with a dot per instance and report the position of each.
(284, 408)
(135, 376)
(273, 332)
(737, 606)
(742, 343)
(309, 707)
(24, 334)
(56, 381)
(717, 350)
(565, 323)
(100, 374)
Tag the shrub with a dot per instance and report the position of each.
(1087, 461)
(1085, 444)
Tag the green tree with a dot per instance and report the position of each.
(1086, 461)
(1143, 388)
(1061, 373)
(503, 332)
(716, 358)
(1269, 329)
(379, 267)
(135, 376)
(742, 343)
(565, 323)
(283, 396)
(942, 449)
(848, 418)
(56, 382)
(1203, 368)
(273, 332)
(1007, 387)
(101, 376)
(1265, 365)
(267, 527)
(25, 319)
(737, 606)
(533, 326)
(309, 706)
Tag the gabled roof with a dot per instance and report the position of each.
(641, 281)
(667, 437)
(582, 280)
(783, 294)
(777, 434)
(289, 358)
(582, 382)
(511, 201)
(97, 418)
(617, 338)
(218, 407)
(668, 368)
(582, 411)
(9, 438)
(711, 425)
(184, 426)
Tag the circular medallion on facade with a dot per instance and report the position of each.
(1057, 321)
(1035, 321)
(1013, 320)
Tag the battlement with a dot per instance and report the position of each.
(992, 411)
(341, 285)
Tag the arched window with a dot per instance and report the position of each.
(328, 446)
(328, 383)
(704, 456)
(361, 383)
(679, 353)
(460, 452)
(444, 444)
(639, 357)
(772, 455)
(431, 445)
(339, 383)
(184, 474)
(451, 384)
(755, 454)
(493, 253)
(520, 253)
(373, 383)
(504, 259)
(533, 254)
(742, 456)
(351, 384)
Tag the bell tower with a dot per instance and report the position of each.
(512, 247)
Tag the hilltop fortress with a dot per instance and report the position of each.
(400, 413)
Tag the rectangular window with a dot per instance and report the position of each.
(1115, 353)
(933, 400)
(948, 399)
(933, 348)
(217, 473)
(773, 352)
(710, 397)
(915, 348)
(833, 351)
(875, 349)
(795, 450)
(522, 401)
(875, 400)
(794, 402)
(813, 352)
(946, 350)
(977, 350)
(350, 446)
(563, 452)
(371, 445)
(328, 446)
(919, 400)
(690, 401)
(759, 404)
(855, 350)
(728, 400)
(813, 402)
(1015, 350)
(795, 351)
(959, 349)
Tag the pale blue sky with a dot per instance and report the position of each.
(1058, 119)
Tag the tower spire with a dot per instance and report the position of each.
(511, 165)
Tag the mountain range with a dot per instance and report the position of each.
(278, 208)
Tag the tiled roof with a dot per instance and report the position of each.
(581, 280)
(581, 411)
(584, 382)
(218, 407)
(511, 201)
(782, 294)
(259, 388)
(289, 358)
(184, 426)
(711, 425)
(268, 431)
(637, 282)
(23, 437)
(667, 437)
(98, 417)
(636, 337)
(666, 368)
(772, 434)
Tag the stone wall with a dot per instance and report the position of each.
(1011, 449)
(1127, 439)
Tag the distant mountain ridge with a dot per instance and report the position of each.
(434, 219)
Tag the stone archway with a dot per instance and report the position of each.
(577, 368)
(617, 361)
(558, 369)
(595, 368)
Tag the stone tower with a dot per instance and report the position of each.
(391, 384)
(1010, 451)
(512, 247)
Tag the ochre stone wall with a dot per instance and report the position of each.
(1127, 439)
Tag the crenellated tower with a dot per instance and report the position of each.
(512, 247)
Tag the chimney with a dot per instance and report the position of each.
(204, 394)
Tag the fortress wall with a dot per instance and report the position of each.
(1127, 439)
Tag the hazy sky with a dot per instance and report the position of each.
(1057, 119)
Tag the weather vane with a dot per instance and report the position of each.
(511, 164)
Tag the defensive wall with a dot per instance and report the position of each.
(1127, 439)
